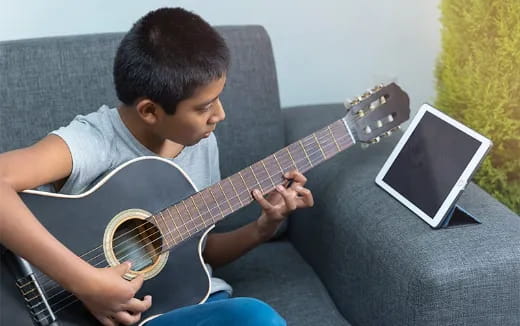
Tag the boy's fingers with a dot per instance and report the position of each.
(137, 282)
(296, 176)
(261, 200)
(136, 305)
(306, 197)
(288, 196)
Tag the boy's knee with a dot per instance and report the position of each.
(255, 312)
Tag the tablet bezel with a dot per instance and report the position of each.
(436, 220)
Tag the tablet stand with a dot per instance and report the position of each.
(458, 217)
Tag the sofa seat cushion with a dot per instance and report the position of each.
(276, 273)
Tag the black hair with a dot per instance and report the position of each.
(166, 56)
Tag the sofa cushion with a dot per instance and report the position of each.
(275, 273)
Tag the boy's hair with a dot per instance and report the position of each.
(166, 55)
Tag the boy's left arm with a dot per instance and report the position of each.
(223, 248)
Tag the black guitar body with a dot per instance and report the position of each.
(150, 184)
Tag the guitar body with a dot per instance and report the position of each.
(80, 223)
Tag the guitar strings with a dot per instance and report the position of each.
(209, 209)
(213, 208)
(39, 274)
(160, 238)
(67, 304)
(188, 230)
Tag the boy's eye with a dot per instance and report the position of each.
(205, 108)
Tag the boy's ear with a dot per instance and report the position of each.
(149, 111)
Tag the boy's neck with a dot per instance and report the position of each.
(162, 147)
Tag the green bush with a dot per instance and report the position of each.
(478, 83)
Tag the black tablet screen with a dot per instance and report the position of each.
(430, 163)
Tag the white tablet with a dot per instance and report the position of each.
(432, 163)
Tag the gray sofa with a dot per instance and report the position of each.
(358, 257)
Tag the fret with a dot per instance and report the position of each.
(267, 171)
(258, 182)
(249, 180)
(236, 192)
(278, 162)
(307, 155)
(159, 227)
(181, 219)
(299, 157)
(263, 176)
(206, 204)
(225, 196)
(167, 227)
(213, 205)
(275, 167)
(175, 223)
(326, 142)
(319, 145)
(192, 226)
(244, 181)
(294, 162)
(333, 138)
(216, 202)
(198, 211)
(344, 139)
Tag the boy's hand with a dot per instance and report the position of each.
(279, 203)
(110, 298)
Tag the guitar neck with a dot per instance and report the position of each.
(212, 204)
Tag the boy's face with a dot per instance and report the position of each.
(196, 117)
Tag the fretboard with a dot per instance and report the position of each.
(205, 208)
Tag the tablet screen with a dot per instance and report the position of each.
(430, 163)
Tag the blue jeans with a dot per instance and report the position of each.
(220, 309)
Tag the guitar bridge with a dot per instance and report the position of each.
(35, 301)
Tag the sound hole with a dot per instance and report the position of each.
(138, 241)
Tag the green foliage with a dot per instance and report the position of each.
(478, 83)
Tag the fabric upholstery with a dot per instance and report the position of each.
(278, 275)
(385, 266)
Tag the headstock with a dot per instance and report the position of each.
(377, 113)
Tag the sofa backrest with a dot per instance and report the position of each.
(46, 82)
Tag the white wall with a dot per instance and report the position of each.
(325, 50)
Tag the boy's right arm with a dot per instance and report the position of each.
(108, 296)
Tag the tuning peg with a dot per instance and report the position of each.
(390, 118)
(364, 145)
(366, 94)
(387, 134)
(360, 113)
(395, 128)
(347, 103)
(368, 129)
(377, 88)
(374, 105)
(379, 123)
(382, 100)
(375, 140)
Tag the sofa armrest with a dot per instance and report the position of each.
(383, 265)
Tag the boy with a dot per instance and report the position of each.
(169, 71)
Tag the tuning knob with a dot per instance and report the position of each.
(377, 88)
(375, 140)
(388, 133)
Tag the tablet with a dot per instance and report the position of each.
(432, 163)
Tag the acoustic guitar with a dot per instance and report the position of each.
(148, 211)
